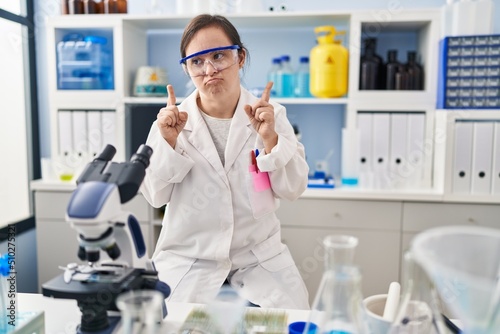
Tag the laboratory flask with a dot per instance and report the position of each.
(328, 63)
(337, 307)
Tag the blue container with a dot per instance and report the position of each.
(85, 64)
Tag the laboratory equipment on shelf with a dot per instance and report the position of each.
(85, 62)
(302, 78)
(464, 264)
(328, 64)
(284, 78)
(94, 211)
(371, 71)
(337, 307)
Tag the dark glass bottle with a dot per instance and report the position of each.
(415, 72)
(115, 6)
(76, 7)
(402, 81)
(64, 7)
(391, 68)
(94, 6)
(371, 66)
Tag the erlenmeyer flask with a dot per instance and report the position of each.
(338, 304)
(419, 309)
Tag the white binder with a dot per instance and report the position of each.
(80, 146)
(398, 169)
(482, 157)
(462, 161)
(108, 126)
(495, 176)
(65, 132)
(381, 133)
(365, 126)
(415, 149)
(94, 136)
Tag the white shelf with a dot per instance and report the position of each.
(163, 100)
(427, 195)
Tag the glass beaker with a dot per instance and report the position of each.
(337, 307)
(419, 309)
(141, 311)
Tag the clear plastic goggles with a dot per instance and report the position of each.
(220, 58)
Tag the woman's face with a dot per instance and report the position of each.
(214, 83)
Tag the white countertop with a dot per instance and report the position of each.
(62, 316)
(345, 193)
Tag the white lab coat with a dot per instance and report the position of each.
(216, 224)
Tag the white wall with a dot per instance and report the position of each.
(44, 9)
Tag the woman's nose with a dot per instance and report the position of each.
(209, 70)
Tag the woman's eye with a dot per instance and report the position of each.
(218, 55)
(195, 62)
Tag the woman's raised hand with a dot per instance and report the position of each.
(261, 115)
(170, 120)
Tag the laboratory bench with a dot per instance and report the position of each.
(63, 315)
(384, 221)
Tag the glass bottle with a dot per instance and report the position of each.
(371, 65)
(402, 81)
(115, 6)
(284, 84)
(337, 308)
(93, 6)
(76, 7)
(272, 74)
(391, 68)
(415, 72)
(302, 78)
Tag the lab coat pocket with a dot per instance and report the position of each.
(260, 194)
(172, 268)
(272, 254)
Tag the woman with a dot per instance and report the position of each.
(220, 224)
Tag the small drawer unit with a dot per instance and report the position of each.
(469, 74)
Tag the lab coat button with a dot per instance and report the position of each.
(242, 285)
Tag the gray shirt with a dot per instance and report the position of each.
(219, 130)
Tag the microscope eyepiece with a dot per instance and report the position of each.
(107, 153)
(142, 155)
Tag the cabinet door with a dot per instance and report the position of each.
(418, 217)
(379, 215)
(305, 222)
(377, 256)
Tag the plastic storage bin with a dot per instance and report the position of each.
(85, 63)
(469, 76)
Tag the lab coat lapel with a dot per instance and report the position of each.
(240, 131)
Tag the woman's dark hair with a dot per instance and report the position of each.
(204, 21)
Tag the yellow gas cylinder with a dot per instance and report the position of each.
(328, 65)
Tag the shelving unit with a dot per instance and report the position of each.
(154, 40)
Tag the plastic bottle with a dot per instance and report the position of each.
(415, 72)
(272, 74)
(302, 78)
(329, 65)
(337, 308)
(371, 67)
(284, 78)
(391, 68)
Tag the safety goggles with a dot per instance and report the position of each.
(220, 58)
